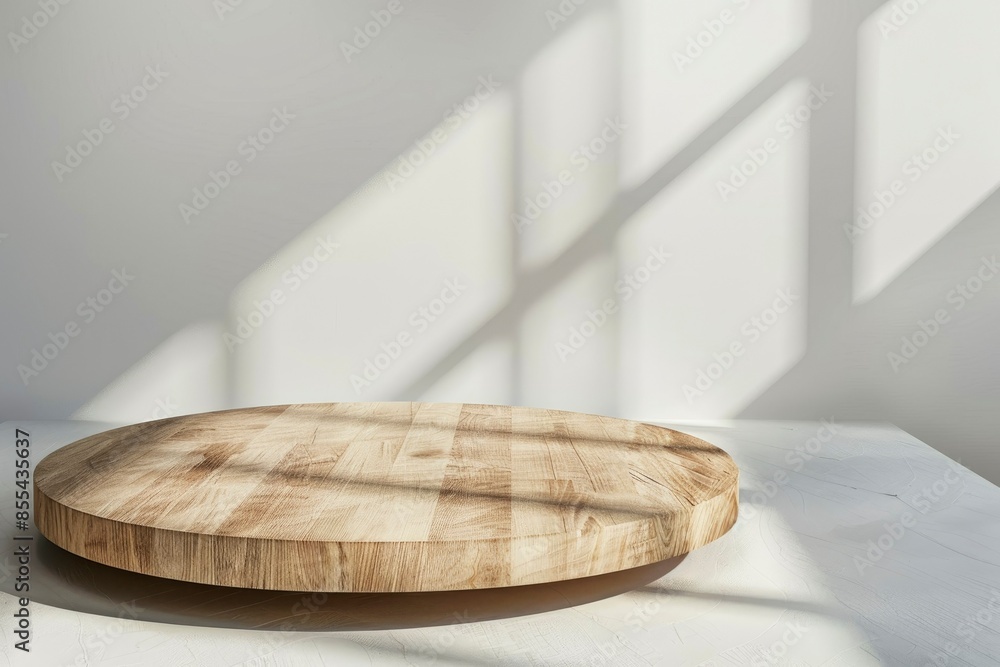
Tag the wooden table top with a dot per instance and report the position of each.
(385, 496)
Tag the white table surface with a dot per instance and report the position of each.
(800, 580)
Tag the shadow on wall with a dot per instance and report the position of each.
(700, 220)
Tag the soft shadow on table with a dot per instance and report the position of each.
(75, 583)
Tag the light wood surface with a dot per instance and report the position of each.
(795, 582)
(385, 497)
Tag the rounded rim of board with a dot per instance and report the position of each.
(385, 497)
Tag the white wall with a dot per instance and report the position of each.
(872, 84)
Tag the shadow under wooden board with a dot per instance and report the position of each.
(75, 583)
(385, 497)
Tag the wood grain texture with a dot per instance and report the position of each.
(385, 497)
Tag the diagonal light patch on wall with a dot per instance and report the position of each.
(925, 157)
(601, 231)
(572, 128)
(434, 221)
(678, 74)
(186, 373)
(736, 277)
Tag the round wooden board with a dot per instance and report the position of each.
(384, 497)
